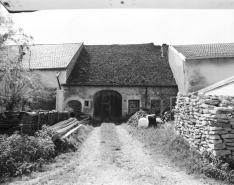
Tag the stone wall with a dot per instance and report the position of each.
(143, 94)
(207, 123)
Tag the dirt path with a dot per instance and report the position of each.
(110, 156)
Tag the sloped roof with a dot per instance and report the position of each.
(218, 84)
(138, 64)
(50, 56)
(202, 51)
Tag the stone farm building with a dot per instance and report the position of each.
(106, 81)
(198, 66)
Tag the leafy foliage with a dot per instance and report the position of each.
(19, 86)
(21, 154)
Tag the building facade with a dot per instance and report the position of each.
(110, 81)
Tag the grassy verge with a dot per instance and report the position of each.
(168, 143)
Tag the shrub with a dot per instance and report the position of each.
(21, 154)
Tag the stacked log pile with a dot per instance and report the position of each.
(207, 123)
(67, 131)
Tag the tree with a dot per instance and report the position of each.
(19, 86)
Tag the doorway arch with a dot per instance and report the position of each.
(107, 106)
(74, 106)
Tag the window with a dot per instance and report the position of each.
(86, 103)
(156, 106)
(133, 106)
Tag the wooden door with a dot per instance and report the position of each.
(107, 106)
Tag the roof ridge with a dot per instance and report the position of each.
(150, 43)
(203, 44)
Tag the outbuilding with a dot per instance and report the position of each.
(201, 65)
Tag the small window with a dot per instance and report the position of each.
(86, 103)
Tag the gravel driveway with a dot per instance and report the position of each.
(110, 156)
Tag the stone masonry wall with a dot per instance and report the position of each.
(207, 123)
(83, 93)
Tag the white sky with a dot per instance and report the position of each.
(128, 26)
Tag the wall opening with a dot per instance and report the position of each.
(107, 106)
(74, 106)
(133, 106)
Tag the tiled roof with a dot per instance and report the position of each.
(50, 56)
(139, 64)
(200, 51)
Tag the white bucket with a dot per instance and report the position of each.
(143, 122)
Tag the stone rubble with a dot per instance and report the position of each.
(207, 123)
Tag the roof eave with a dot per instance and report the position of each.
(125, 85)
(57, 68)
(203, 58)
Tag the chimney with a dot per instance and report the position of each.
(164, 50)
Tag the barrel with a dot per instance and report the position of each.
(143, 122)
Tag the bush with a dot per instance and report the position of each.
(21, 154)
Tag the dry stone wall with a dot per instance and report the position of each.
(207, 123)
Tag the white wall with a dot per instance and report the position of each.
(176, 62)
(48, 76)
(205, 72)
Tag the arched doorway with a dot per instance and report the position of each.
(74, 106)
(107, 106)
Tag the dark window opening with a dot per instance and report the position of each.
(86, 103)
